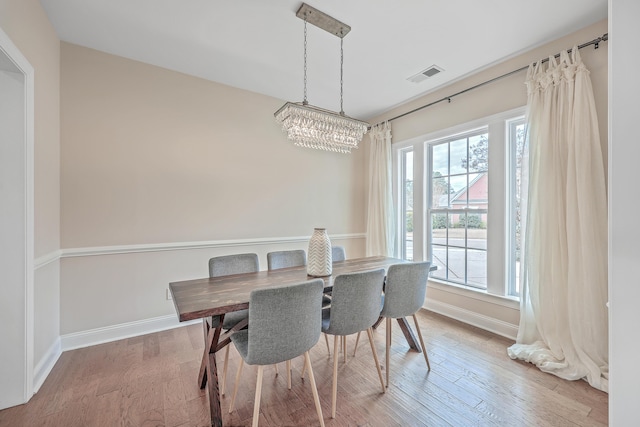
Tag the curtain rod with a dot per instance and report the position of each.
(596, 42)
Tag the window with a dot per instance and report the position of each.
(458, 203)
(458, 208)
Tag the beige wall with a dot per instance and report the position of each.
(26, 24)
(152, 156)
(494, 98)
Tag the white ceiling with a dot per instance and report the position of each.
(257, 45)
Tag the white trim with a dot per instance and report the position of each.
(21, 62)
(490, 324)
(46, 364)
(124, 330)
(477, 294)
(178, 246)
(47, 259)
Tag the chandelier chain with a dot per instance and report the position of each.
(341, 66)
(305, 102)
(314, 127)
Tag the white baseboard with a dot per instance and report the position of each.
(487, 323)
(45, 365)
(121, 331)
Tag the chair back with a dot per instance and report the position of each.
(284, 321)
(233, 264)
(285, 259)
(405, 289)
(355, 302)
(338, 253)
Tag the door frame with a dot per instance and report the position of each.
(20, 61)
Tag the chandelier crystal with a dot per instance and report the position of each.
(314, 127)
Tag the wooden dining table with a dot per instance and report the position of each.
(216, 296)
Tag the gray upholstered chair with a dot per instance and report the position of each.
(293, 258)
(338, 253)
(225, 266)
(404, 294)
(285, 259)
(355, 307)
(284, 322)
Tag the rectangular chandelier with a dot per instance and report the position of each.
(314, 127)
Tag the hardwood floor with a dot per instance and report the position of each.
(151, 381)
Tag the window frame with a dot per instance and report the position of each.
(511, 148)
(498, 287)
(402, 223)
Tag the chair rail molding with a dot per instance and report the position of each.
(177, 246)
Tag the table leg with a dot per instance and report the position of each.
(208, 375)
(375, 325)
(202, 376)
(214, 392)
(408, 334)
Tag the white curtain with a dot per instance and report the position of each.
(563, 319)
(380, 224)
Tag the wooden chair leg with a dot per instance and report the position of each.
(424, 349)
(304, 368)
(387, 349)
(344, 347)
(256, 403)
(334, 385)
(375, 357)
(314, 389)
(356, 347)
(289, 374)
(327, 341)
(223, 383)
(235, 387)
(275, 366)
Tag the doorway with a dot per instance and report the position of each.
(16, 225)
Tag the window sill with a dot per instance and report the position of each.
(477, 294)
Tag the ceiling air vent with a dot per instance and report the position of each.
(425, 74)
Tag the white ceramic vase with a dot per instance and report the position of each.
(319, 262)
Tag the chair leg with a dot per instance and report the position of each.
(235, 388)
(334, 385)
(375, 357)
(223, 383)
(256, 403)
(304, 369)
(275, 365)
(314, 389)
(387, 349)
(289, 374)
(424, 349)
(356, 347)
(344, 347)
(327, 341)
